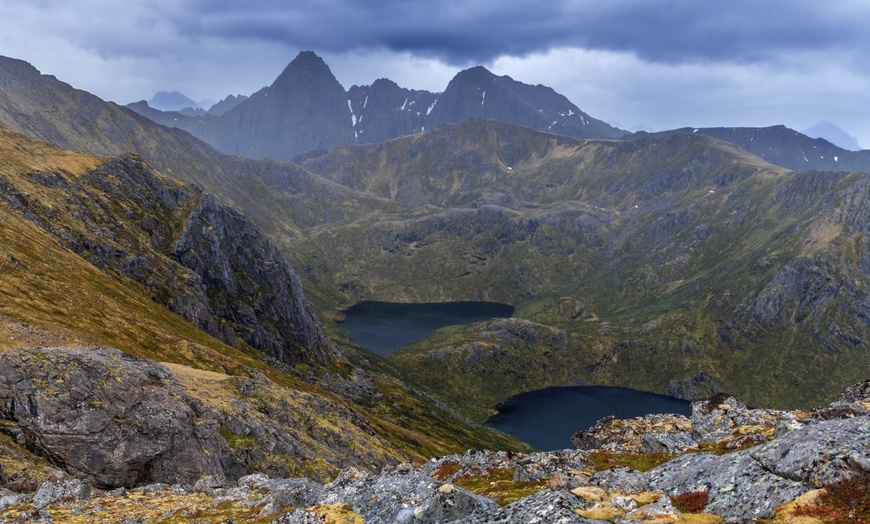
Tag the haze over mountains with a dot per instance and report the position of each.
(306, 108)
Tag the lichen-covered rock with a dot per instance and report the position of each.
(544, 507)
(713, 418)
(403, 495)
(819, 454)
(51, 492)
(736, 484)
(659, 432)
(622, 479)
(668, 442)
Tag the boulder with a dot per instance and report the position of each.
(819, 454)
(713, 418)
(113, 419)
(736, 484)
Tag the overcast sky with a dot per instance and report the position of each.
(658, 63)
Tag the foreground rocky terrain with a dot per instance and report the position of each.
(158, 454)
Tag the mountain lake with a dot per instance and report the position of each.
(546, 418)
(384, 327)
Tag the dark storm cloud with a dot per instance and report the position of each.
(462, 31)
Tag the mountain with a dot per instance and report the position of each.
(785, 147)
(194, 255)
(307, 109)
(171, 101)
(384, 110)
(477, 93)
(646, 263)
(834, 135)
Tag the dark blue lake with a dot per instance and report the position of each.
(386, 326)
(547, 418)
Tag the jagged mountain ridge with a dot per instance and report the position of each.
(306, 108)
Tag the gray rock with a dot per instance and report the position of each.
(11, 499)
(621, 479)
(713, 418)
(661, 508)
(821, 453)
(736, 484)
(859, 392)
(403, 496)
(114, 419)
(56, 491)
(544, 507)
(668, 442)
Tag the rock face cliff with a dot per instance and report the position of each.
(250, 287)
(199, 258)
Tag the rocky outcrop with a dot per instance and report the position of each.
(113, 419)
(250, 286)
(118, 420)
(564, 486)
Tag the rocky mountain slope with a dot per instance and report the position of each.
(197, 257)
(306, 109)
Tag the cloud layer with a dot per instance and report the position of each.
(659, 62)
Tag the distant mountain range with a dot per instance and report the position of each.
(306, 108)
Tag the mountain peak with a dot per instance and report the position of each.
(475, 74)
(171, 101)
(306, 65)
(833, 134)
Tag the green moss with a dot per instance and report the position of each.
(601, 460)
(499, 484)
(237, 441)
